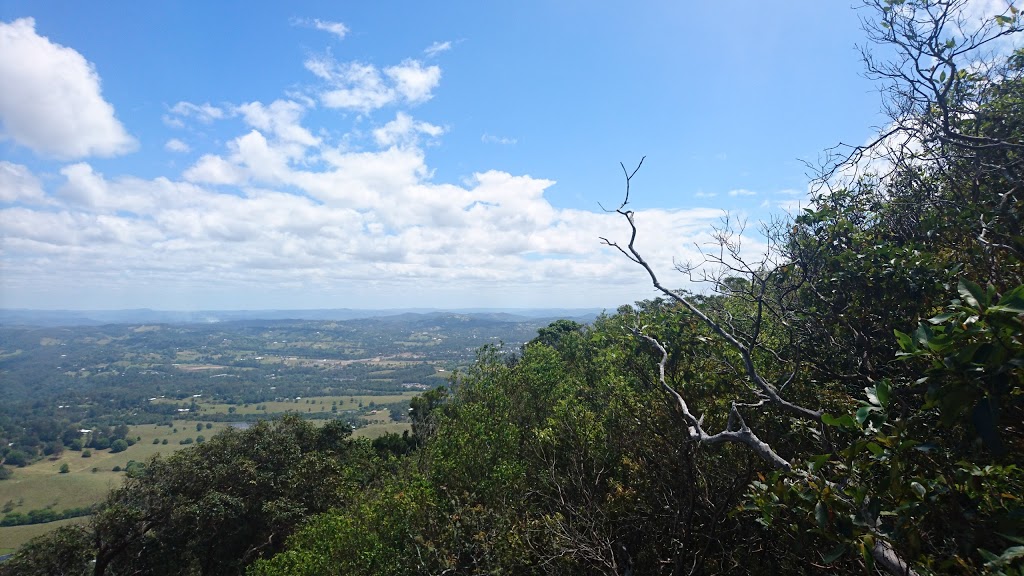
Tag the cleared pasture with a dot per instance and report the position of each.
(41, 485)
(311, 405)
(13, 537)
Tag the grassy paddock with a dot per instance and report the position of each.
(310, 405)
(41, 485)
(379, 429)
(13, 537)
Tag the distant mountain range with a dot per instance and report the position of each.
(50, 318)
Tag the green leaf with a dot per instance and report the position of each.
(844, 421)
(882, 391)
(906, 343)
(942, 77)
(834, 554)
(986, 555)
(875, 449)
(923, 335)
(867, 545)
(1005, 559)
(1013, 301)
(818, 461)
(941, 318)
(972, 294)
(863, 412)
(821, 514)
(1011, 538)
(909, 444)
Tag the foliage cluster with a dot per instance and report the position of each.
(43, 516)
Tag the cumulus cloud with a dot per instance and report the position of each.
(267, 152)
(51, 100)
(281, 118)
(281, 207)
(18, 184)
(364, 87)
(414, 82)
(356, 86)
(336, 28)
(404, 130)
(212, 169)
(374, 217)
(175, 145)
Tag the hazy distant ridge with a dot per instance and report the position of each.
(23, 317)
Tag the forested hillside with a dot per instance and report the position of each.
(847, 398)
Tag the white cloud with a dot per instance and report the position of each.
(266, 153)
(703, 194)
(263, 160)
(204, 113)
(503, 140)
(742, 192)
(363, 87)
(284, 208)
(355, 86)
(414, 82)
(357, 218)
(51, 100)
(336, 28)
(789, 200)
(983, 10)
(437, 48)
(212, 169)
(404, 130)
(175, 145)
(281, 119)
(18, 184)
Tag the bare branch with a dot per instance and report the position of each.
(736, 430)
(765, 388)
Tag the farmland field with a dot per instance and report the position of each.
(156, 383)
(41, 485)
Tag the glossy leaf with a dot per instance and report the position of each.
(1012, 301)
(844, 421)
(882, 392)
(821, 514)
(972, 294)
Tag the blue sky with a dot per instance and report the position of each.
(235, 155)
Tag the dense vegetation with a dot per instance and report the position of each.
(866, 377)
